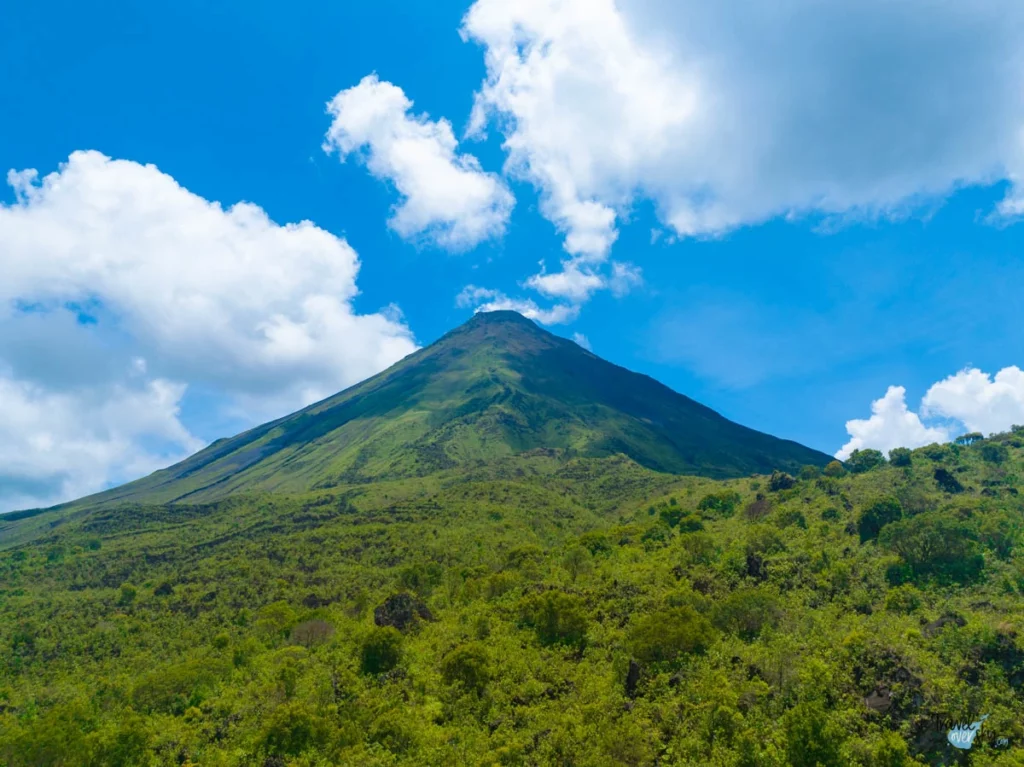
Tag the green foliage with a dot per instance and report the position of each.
(864, 460)
(936, 546)
(901, 457)
(381, 650)
(250, 639)
(779, 480)
(467, 665)
(558, 618)
(876, 516)
(993, 452)
(720, 505)
(834, 469)
(747, 612)
(293, 729)
(661, 637)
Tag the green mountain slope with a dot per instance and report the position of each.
(494, 387)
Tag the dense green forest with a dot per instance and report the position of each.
(541, 609)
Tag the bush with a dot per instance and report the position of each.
(993, 452)
(747, 612)
(292, 729)
(127, 595)
(810, 472)
(381, 650)
(879, 514)
(721, 504)
(557, 618)
(663, 636)
(834, 469)
(671, 515)
(900, 456)
(937, 546)
(468, 666)
(861, 461)
(312, 633)
(780, 480)
(903, 599)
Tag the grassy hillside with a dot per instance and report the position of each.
(552, 611)
(496, 386)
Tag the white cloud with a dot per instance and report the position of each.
(968, 401)
(891, 425)
(223, 298)
(487, 300)
(55, 446)
(582, 340)
(446, 196)
(979, 401)
(574, 283)
(729, 113)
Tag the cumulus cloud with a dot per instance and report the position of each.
(727, 114)
(110, 261)
(970, 400)
(891, 425)
(56, 445)
(445, 196)
(488, 300)
(979, 401)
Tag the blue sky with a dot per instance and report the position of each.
(780, 214)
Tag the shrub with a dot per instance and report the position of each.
(671, 515)
(292, 729)
(663, 636)
(127, 595)
(780, 480)
(994, 452)
(721, 504)
(903, 599)
(381, 650)
(810, 472)
(557, 618)
(900, 456)
(747, 612)
(690, 523)
(861, 461)
(467, 665)
(937, 546)
(876, 516)
(834, 469)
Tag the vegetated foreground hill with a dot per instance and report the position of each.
(496, 386)
(533, 611)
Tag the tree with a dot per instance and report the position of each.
(994, 452)
(381, 649)
(876, 516)
(558, 618)
(721, 504)
(576, 561)
(861, 461)
(936, 545)
(747, 612)
(780, 480)
(467, 665)
(834, 469)
(900, 456)
(969, 439)
(663, 636)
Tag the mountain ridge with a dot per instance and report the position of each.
(493, 387)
